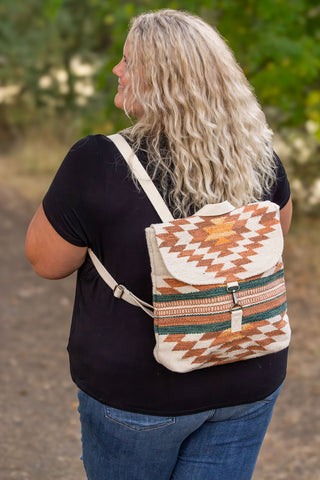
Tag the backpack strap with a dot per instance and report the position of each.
(142, 176)
(120, 291)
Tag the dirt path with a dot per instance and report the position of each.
(40, 435)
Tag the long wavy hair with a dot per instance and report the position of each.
(199, 121)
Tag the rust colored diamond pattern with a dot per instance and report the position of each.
(220, 236)
(214, 348)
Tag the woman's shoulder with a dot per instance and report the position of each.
(96, 141)
(92, 151)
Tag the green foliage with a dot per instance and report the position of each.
(56, 60)
(276, 42)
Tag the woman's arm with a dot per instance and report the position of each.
(49, 254)
(285, 216)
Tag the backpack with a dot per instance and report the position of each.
(219, 293)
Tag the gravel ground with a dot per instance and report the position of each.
(40, 437)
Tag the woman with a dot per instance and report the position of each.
(203, 137)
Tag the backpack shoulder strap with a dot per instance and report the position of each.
(142, 176)
(120, 291)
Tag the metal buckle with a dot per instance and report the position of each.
(121, 289)
(233, 288)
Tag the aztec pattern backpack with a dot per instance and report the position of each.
(219, 294)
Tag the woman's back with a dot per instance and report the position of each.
(111, 342)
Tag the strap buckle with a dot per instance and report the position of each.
(118, 291)
(232, 288)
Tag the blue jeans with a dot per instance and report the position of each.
(220, 444)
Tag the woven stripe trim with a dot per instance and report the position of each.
(216, 327)
(202, 318)
(247, 298)
(219, 291)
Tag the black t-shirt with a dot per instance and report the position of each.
(93, 202)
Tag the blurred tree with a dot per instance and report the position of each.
(39, 41)
(277, 44)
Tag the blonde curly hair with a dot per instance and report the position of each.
(200, 122)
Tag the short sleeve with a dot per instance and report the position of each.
(64, 204)
(280, 190)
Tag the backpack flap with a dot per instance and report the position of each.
(207, 249)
